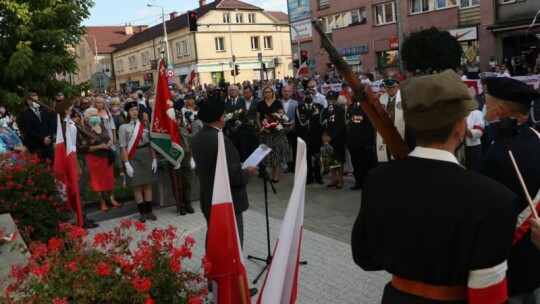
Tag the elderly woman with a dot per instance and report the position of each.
(275, 139)
(96, 144)
(139, 159)
(9, 138)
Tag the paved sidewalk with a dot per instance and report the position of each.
(330, 275)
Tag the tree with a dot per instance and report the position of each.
(35, 40)
(431, 49)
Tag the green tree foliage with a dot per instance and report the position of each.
(431, 49)
(35, 36)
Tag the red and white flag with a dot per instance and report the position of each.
(302, 70)
(223, 248)
(164, 135)
(280, 284)
(190, 78)
(65, 169)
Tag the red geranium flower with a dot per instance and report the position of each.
(141, 284)
(102, 269)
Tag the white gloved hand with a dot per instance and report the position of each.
(154, 165)
(129, 169)
(177, 166)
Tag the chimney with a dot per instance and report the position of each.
(202, 3)
(128, 29)
(173, 15)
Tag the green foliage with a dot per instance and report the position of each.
(431, 49)
(34, 47)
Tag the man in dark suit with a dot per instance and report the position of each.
(289, 106)
(234, 103)
(508, 98)
(247, 133)
(37, 128)
(444, 233)
(309, 128)
(204, 149)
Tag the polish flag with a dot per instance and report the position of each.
(65, 169)
(302, 70)
(190, 76)
(223, 245)
(280, 284)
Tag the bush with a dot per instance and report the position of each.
(108, 269)
(29, 191)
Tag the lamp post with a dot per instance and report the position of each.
(232, 53)
(298, 41)
(95, 53)
(164, 31)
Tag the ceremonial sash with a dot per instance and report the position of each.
(135, 139)
(522, 225)
(399, 122)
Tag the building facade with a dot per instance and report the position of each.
(230, 33)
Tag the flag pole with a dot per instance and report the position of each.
(174, 180)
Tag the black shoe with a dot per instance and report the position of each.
(89, 225)
(91, 221)
(149, 214)
(183, 211)
(190, 209)
(253, 291)
(320, 182)
(356, 187)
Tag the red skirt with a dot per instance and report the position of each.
(101, 173)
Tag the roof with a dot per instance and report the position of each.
(181, 21)
(108, 38)
(280, 16)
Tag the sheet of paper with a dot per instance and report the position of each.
(256, 157)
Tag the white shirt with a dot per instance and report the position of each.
(475, 124)
(320, 99)
(73, 133)
(436, 154)
(285, 104)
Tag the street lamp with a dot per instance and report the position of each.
(298, 41)
(95, 52)
(164, 31)
(232, 53)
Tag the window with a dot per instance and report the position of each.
(251, 18)
(132, 62)
(468, 3)
(358, 15)
(145, 58)
(226, 18)
(120, 65)
(182, 49)
(323, 4)
(185, 48)
(106, 67)
(385, 13)
(420, 6)
(268, 43)
(220, 44)
(445, 3)
(179, 52)
(84, 73)
(326, 24)
(82, 51)
(254, 43)
(239, 18)
(506, 1)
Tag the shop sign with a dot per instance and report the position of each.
(394, 43)
(354, 50)
(355, 59)
(465, 34)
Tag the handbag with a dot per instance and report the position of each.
(111, 156)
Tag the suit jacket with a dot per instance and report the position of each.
(35, 130)
(204, 148)
(240, 104)
(334, 123)
(432, 221)
(308, 124)
(252, 111)
(291, 111)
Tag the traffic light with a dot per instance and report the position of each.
(303, 56)
(235, 71)
(296, 64)
(192, 21)
(264, 67)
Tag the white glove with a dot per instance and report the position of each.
(154, 165)
(129, 169)
(177, 166)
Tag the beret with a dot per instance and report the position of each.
(332, 95)
(390, 82)
(435, 101)
(211, 110)
(129, 105)
(310, 92)
(512, 90)
(192, 96)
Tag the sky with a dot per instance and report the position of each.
(136, 12)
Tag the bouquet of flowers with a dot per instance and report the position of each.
(275, 122)
(238, 117)
(328, 161)
(108, 268)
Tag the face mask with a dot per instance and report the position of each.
(140, 96)
(94, 120)
(182, 96)
(35, 105)
(115, 109)
(308, 100)
(2, 110)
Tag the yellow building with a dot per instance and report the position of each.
(227, 30)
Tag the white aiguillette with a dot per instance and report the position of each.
(256, 157)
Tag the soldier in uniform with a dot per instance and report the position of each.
(443, 232)
(309, 128)
(360, 138)
(508, 101)
(333, 122)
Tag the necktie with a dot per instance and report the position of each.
(234, 103)
(38, 114)
(391, 108)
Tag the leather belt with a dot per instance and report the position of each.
(142, 146)
(432, 292)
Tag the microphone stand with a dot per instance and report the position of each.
(268, 259)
